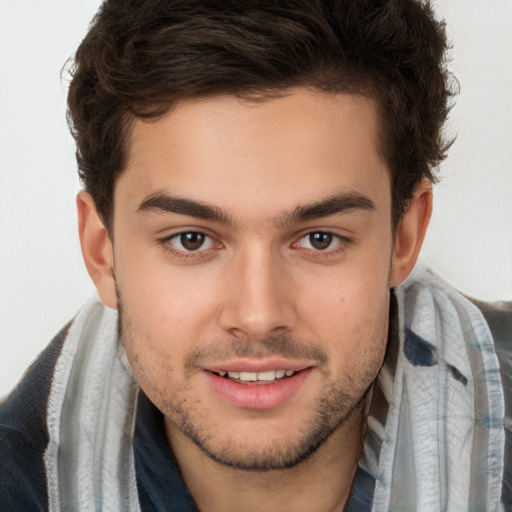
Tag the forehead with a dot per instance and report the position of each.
(255, 158)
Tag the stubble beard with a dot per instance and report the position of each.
(343, 399)
(333, 411)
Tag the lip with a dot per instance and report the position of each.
(255, 366)
(258, 395)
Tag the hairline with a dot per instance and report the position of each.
(163, 109)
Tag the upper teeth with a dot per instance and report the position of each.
(255, 376)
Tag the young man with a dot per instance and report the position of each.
(257, 186)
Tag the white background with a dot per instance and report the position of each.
(42, 277)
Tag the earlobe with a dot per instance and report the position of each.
(97, 249)
(410, 232)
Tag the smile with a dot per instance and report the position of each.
(267, 376)
(264, 389)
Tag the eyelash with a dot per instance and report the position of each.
(183, 254)
(342, 244)
(201, 253)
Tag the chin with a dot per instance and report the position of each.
(260, 445)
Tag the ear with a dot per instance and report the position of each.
(410, 232)
(97, 249)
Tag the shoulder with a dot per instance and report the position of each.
(499, 318)
(23, 434)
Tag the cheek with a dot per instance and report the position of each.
(164, 302)
(163, 319)
(350, 315)
(154, 353)
(345, 297)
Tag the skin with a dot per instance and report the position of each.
(259, 287)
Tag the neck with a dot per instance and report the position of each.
(321, 483)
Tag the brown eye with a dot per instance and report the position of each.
(192, 241)
(320, 241)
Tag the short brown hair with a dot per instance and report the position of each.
(142, 56)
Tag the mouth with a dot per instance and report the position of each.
(256, 377)
(253, 385)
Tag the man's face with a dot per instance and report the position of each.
(252, 245)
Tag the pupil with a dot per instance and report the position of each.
(320, 241)
(192, 241)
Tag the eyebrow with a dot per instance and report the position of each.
(164, 203)
(343, 202)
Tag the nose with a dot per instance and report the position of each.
(259, 301)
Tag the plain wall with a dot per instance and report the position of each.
(42, 278)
